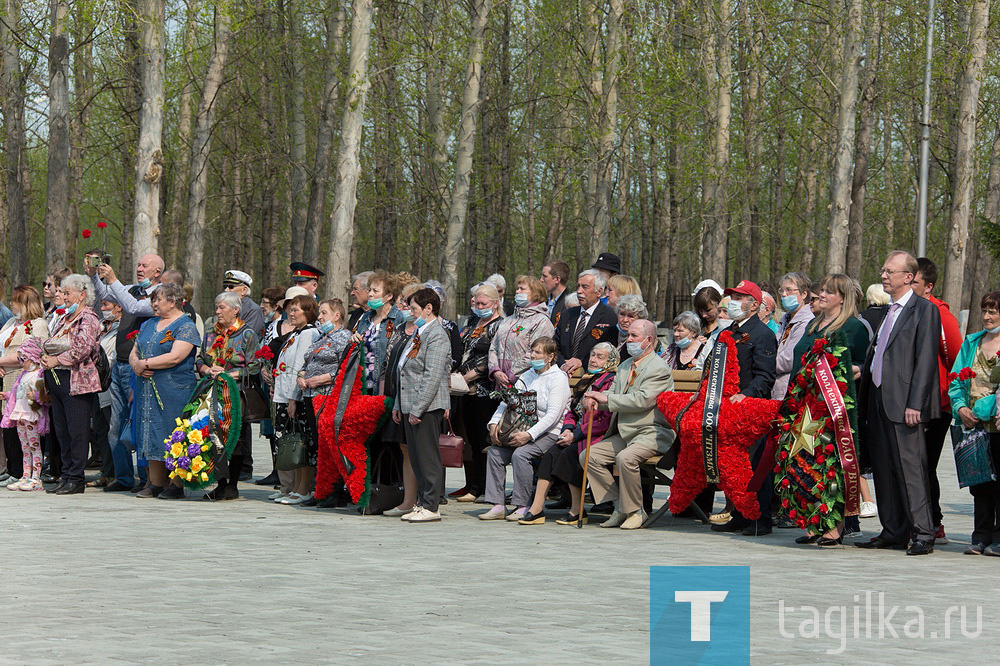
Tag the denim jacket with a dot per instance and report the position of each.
(382, 342)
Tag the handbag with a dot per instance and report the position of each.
(520, 415)
(383, 495)
(451, 447)
(973, 461)
(292, 453)
(255, 407)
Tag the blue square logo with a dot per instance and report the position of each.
(699, 615)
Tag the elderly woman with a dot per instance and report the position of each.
(375, 327)
(163, 359)
(28, 321)
(72, 380)
(230, 347)
(621, 285)
(478, 406)
(629, 308)
(766, 312)
(973, 402)
(794, 291)
(291, 414)
(562, 462)
(684, 353)
(551, 386)
(510, 351)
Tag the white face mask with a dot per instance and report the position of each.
(735, 310)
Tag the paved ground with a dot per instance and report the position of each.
(106, 578)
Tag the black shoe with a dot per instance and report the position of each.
(116, 487)
(785, 524)
(734, 525)
(217, 494)
(756, 528)
(921, 547)
(603, 508)
(443, 500)
(138, 487)
(532, 519)
(975, 548)
(72, 489)
(48, 478)
(94, 463)
(312, 501)
(809, 538)
(881, 544)
(331, 501)
(246, 475)
(992, 549)
(268, 480)
(570, 519)
(839, 541)
(561, 503)
(171, 492)
(59, 486)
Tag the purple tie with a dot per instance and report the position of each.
(883, 340)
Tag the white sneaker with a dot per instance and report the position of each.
(413, 512)
(616, 519)
(853, 534)
(498, 512)
(19, 483)
(276, 495)
(635, 521)
(396, 512)
(422, 515)
(869, 510)
(296, 498)
(515, 516)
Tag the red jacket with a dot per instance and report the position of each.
(950, 343)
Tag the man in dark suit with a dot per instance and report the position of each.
(756, 351)
(555, 275)
(897, 396)
(583, 326)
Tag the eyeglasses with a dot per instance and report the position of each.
(886, 271)
(787, 292)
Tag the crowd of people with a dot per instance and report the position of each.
(96, 373)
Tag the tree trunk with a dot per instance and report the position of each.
(719, 73)
(463, 160)
(336, 21)
(14, 142)
(809, 256)
(57, 195)
(388, 159)
(965, 140)
(182, 149)
(840, 178)
(200, 150)
(984, 260)
(149, 160)
(83, 81)
(338, 265)
(297, 133)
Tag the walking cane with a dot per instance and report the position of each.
(586, 464)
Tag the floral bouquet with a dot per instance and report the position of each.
(192, 451)
(266, 358)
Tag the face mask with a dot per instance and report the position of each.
(145, 284)
(993, 330)
(70, 310)
(683, 343)
(789, 303)
(376, 303)
(634, 348)
(622, 330)
(420, 322)
(537, 365)
(326, 327)
(594, 372)
(483, 314)
(408, 317)
(520, 300)
(735, 310)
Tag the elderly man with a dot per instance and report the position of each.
(638, 430)
(587, 324)
(239, 283)
(136, 308)
(359, 294)
(305, 276)
(500, 282)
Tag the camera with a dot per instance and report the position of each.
(97, 260)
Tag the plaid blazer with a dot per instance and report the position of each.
(423, 383)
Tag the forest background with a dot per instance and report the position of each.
(695, 138)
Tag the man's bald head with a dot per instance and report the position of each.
(643, 332)
(150, 267)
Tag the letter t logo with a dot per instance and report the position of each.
(701, 610)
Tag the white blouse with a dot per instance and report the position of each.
(553, 396)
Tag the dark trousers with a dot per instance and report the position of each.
(986, 503)
(934, 434)
(12, 447)
(477, 412)
(899, 464)
(100, 420)
(425, 457)
(71, 421)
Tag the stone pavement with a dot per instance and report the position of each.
(106, 578)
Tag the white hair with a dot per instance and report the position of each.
(77, 282)
(363, 277)
(600, 282)
(229, 299)
(497, 281)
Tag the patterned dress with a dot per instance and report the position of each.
(152, 422)
(234, 349)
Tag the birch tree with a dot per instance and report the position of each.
(57, 196)
(185, 121)
(338, 264)
(14, 140)
(295, 103)
(149, 162)
(718, 72)
(459, 207)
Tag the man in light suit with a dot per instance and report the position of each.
(422, 400)
(897, 396)
(638, 430)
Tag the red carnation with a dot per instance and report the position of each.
(814, 520)
(785, 483)
(785, 503)
(801, 522)
(783, 455)
(131, 336)
(818, 345)
(86, 233)
(60, 312)
(786, 426)
(966, 374)
(820, 487)
(102, 225)
(832, 474)
(952, 376)
(792, 514)
(832, 360)
(777, 469)
(829, 448)
(824, 508)
(820, 459)
(264, 353)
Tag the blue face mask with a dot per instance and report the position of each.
(683, 343)
(325, 327)
(621, 330)
(483, 314)
(420, 322)
(994, 331)
(520, 300)
(375, 303)
(408, 317)
(145, 284)
(537, 365)
(634, 348)
(789, 303)
(70, 310)
(593, 372)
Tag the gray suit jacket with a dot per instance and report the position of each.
(635, 417)
(423, 383)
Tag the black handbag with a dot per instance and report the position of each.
(255, 406)
(383, 495)
(292, 453)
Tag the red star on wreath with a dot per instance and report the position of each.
(740, 424)
(361, 420)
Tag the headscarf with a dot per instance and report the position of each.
(31, 350)
(582, 386)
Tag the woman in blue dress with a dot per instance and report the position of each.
(163, 360)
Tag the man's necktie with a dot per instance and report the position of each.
(883, 340)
